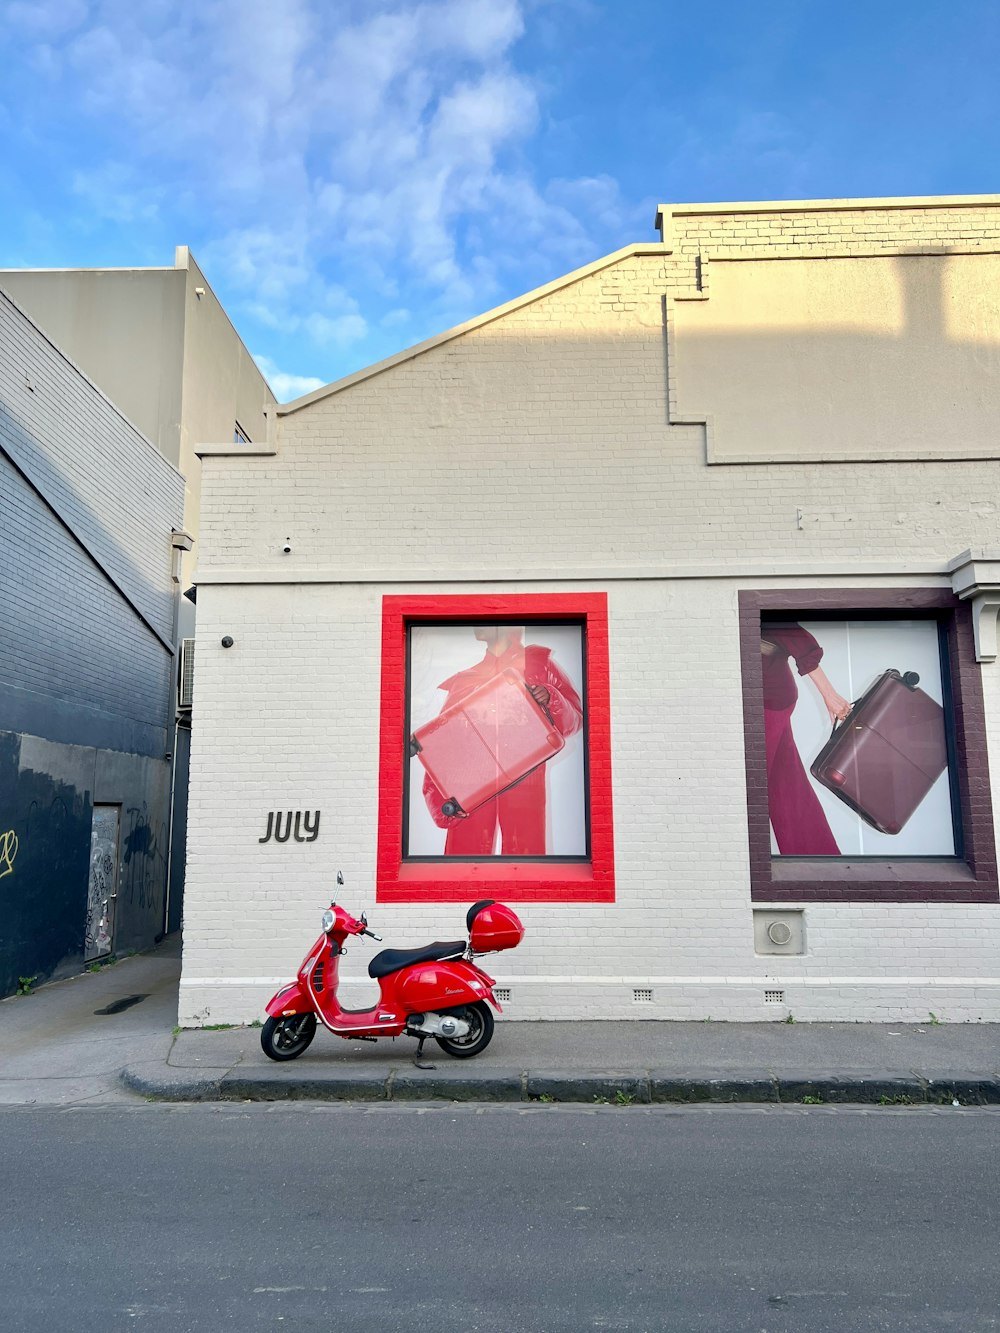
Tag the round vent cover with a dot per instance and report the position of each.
(778, 932)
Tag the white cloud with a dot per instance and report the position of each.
(286, 292)
(285, 387)
(475, 119)
(590, 197)
(479, 29)
(395, 318)
(271, 262)
(344, 160)
(341, 330)
(116, 193)
(43, 18)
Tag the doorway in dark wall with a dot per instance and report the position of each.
(102, 887)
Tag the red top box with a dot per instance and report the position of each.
(493, 927)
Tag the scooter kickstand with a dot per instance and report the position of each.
(418, 1059)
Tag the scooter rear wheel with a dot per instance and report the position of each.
(285, 1038)
(479, 1016)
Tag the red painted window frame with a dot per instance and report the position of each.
(400, 881)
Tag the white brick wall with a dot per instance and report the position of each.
(532, 453)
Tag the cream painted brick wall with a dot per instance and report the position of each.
(533, 454)
(863, 231)
(571, 415)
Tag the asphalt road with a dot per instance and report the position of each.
(498, 1219)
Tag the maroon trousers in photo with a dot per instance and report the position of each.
(797, 818)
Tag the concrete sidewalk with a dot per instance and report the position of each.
(55, 1047)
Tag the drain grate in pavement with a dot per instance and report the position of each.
(126, 1002)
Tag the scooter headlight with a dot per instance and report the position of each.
(328, 919)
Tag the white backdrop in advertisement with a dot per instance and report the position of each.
(440, 651)
(854, 653)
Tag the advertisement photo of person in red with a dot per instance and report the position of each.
(846, 775)
(483, 759)
(798, 821)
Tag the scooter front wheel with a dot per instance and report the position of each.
(285, 1038)
(479, 1017)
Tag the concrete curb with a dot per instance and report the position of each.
(621, 1088)
(167, 1085)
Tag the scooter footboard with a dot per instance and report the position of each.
(291, 999)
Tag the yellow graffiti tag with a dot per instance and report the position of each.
(8, 850)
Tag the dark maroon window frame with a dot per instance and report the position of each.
(969, 878)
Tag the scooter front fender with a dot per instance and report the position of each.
(291, 999)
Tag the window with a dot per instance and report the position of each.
(858, 764)
(497, 763)
(495, 749)
(866, 755)
(240, 436)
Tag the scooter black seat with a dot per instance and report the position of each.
(392, 960)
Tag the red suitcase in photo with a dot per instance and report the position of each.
(885, 756)
(487, 741)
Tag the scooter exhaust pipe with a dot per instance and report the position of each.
(437, 1025)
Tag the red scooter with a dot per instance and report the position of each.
(436, 991)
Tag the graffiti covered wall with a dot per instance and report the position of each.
(46, 816)
(47, 795)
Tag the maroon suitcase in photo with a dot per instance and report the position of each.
(488, 741)
(885, 756)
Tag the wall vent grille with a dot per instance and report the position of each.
(642, 995)
(502, 993)
(774, 997)
(185, 682)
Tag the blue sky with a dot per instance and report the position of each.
(356, 176)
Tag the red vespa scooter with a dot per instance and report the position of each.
(436, 991)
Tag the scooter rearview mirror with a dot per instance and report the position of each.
(340, 877)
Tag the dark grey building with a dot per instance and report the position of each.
(90, 530)
(158, 342)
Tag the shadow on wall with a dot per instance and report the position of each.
(43, 884)
(65, 501)
(81, 661)
(866, 358)
(53, 893)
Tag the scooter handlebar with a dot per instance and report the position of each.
(366, 931)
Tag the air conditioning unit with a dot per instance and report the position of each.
(185, 683)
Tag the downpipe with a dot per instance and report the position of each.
(170, 831)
